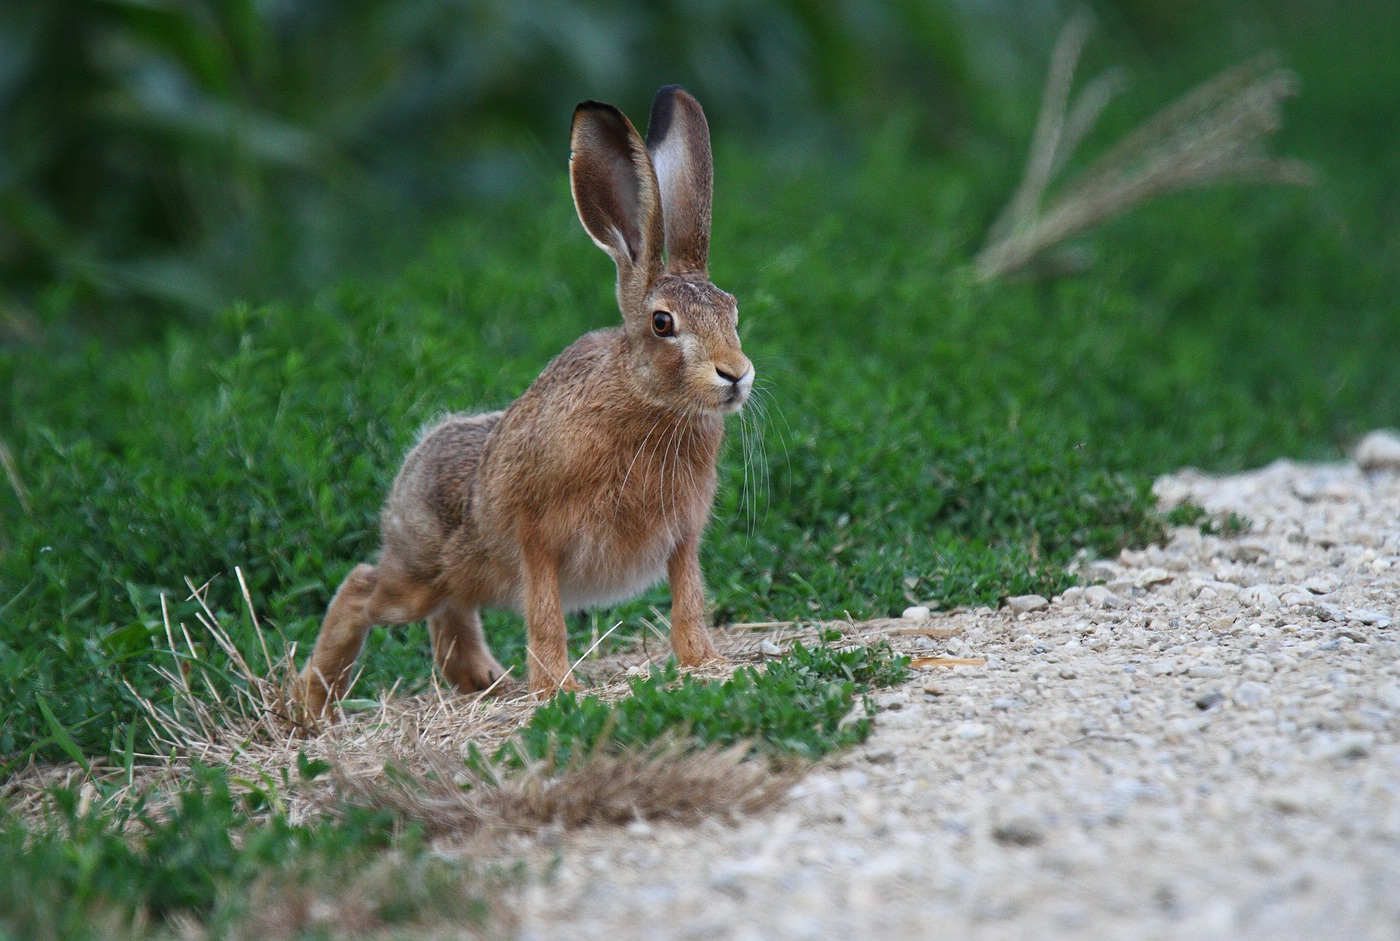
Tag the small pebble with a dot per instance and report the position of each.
(769, 649)
(1020, 830)
(1210, 699)
(1259, 596)
(1154, 576)
(1349, 745)
(1100, 597)
(918, 612)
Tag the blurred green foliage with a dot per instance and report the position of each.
(165, 157)
(160, 156)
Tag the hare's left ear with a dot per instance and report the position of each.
(615, 194)
(678, 139)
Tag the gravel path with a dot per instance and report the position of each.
(1206, 744)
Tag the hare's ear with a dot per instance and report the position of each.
(679, 141)
(615, 193)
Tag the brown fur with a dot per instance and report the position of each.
(599, 479)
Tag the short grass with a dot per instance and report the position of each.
(223, 856)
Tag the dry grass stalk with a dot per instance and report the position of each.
(238, 712)
(12, 472)
(1212, 135)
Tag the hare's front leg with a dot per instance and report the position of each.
(547, 636)
(690, 638)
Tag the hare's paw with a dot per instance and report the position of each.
(693, 647)
(481, 675)
(314, 698)
(546, 688)
(709, 660)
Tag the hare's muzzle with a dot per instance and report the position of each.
(735, 381)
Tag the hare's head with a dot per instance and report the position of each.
(648, 206)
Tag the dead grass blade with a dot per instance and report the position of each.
(924, 663)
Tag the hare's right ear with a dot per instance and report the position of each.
(678, 139)
(616, 196)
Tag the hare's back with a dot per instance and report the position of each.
(433, 492)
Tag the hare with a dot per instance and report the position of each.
(599, 479)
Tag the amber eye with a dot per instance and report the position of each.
(663, 324)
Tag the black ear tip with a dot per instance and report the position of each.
(594, 107)
(599, 121)
(663, 109)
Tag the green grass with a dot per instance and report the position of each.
(224, 854)
(923, 438)
(796, 706)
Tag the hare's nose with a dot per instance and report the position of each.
(728, 374)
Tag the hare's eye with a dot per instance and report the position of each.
(663, 324)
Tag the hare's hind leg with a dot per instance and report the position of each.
(369, 595)
(460, 648)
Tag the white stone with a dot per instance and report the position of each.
(1259, 596)
(1154, 576)
(918, 612)
(1378, 451)
(1343, 747)
(1257, 667)
(1024, 604)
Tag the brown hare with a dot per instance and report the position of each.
(599, 479)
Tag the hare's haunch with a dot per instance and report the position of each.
(598, 480)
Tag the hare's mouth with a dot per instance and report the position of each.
(733, 399)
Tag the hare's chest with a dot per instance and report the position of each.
(622, 544)
(601, 566)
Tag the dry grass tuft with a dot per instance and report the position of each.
(256, 699)
(667, 783)
(1214, 134)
